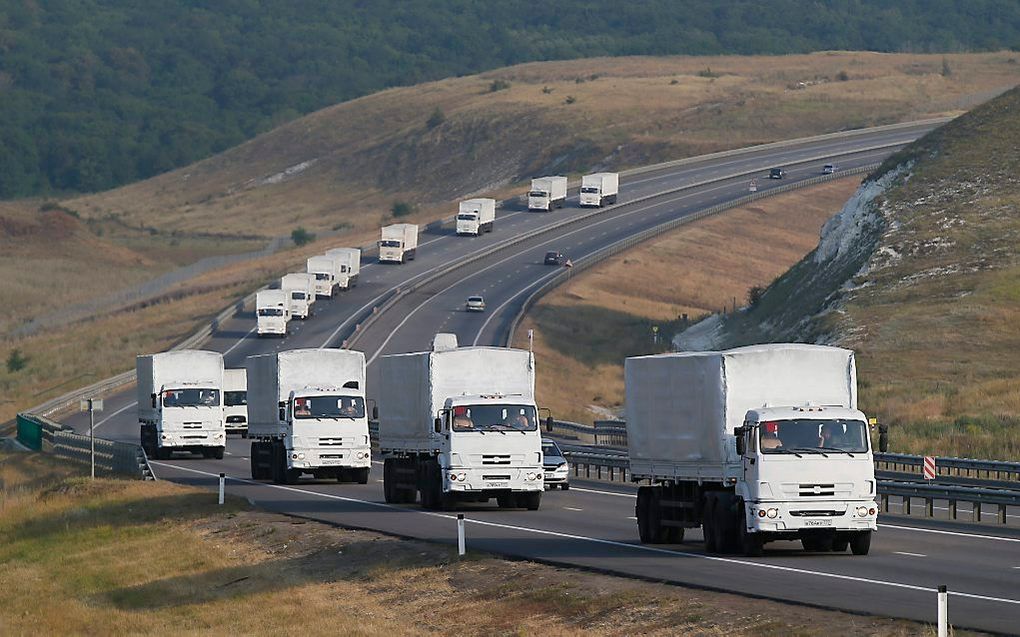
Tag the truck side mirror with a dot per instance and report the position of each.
(154, 401)
(375, 412)
(883, 438)
(741, 441)
(549, 422)
(438, 424)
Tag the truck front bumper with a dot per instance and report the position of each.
(318, 457)
(493, 479)
(191, 438)
(793, 517)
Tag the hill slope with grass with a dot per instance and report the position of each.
(920, 273)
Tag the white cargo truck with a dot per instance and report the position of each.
(348, 261)
(547, 193)
(599, 189)
(307, 415)
(300, 290)
(460, 424)
(180, 403)
(324, 269)
(272, 312)
(752, 444)
(476, 216)
(235, 401)
(398, 243)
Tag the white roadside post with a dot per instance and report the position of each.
(223, 480)
(460, 534)
(943, 611)
(92, 405)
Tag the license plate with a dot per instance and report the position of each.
(497, 485)
(817, 522)
(329, 461)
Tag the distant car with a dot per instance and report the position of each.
(475, 304)
(554, 465)
(828, 169)
(554, 258)
(777, 173)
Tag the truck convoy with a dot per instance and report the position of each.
(751, 444)
(476, 216)
(180, 403)
(325, 271)
(307, 415)
(235, 401)
(599, 189)
(300, 290)
(272, 312)
(547, 193)
(460, 424)
(398, 243)
(348, 266)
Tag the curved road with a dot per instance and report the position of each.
(592, 525)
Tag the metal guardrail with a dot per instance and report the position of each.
(999, 470)
(112, 458)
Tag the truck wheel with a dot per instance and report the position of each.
(361, 475)
(255, 473)
(565, 486)
(860, 542)
(727, 540)
(278, 462)
(388, 493)
(531, 500)
(675, 534)
(751, 544)
(708, 524)
(641, 513)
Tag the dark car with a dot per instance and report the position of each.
(553, 258)
(554, 465)
(777, 173)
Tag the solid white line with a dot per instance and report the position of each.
(910, 554)
(573, 509)
(616, 493)
(637, 547)
(232, 347)
(121, 410)
(975, 536)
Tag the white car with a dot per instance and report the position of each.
(556, 470)
(828, 169)
(475, 304)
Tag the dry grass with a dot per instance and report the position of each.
(102, 550)
(585, 329)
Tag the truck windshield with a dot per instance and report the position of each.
(329, 407)
(538, 193)
(191, 398)
(299, 296)
(808, 434)
(494, 418)
(321, 276)
(389, 244)
(590, 189)
(467, 216)
(235, 398)
(270, 311)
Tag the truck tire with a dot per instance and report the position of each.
(361, 475)
(727, 540)
(217, 453)
(751, 544)
(641, 513)
(388, 493)
(163, 453)
(430, 486)
(565, 486)
(531, 500)
(708, 524)
(674, 534)
(860, 542)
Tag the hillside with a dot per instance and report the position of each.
(920, 273)
(99, 94)
(341, 168)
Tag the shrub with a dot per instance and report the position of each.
(498, 85)
(300, 236)
(546, 90)
(842, 76)
(708, 72)
(436, 118)
(946, 71)
(754, 295)
(401, 209)
(570, 99)
(16, 361)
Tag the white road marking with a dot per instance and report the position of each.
(910, 554)
(573, 509)
(635, 547)
(232, 347)
(119, 411)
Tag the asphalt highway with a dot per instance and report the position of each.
(592, 526)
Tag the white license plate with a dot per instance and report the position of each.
(496, 485)
(817, 522)
(329, 461)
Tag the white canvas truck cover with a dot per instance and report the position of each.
(555, 186)
(183, 368)
(321, 263)
(486, 208)
(415, 386)
(298, 281)
(271, 378)
(683, 408)
(235, 379)
(351, 257)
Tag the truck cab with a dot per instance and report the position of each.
(235, 401)
(272, 312)
(326, 434)
(190, 418)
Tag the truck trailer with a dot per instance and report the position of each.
(348, 262)
(180, 403)
(399, 242)
(476, 216)
(547, 193)
(459, 424)
(272, 312)
(307, 415)
(324, 269)
(599, 189)
(753, 444)
(300, 290)
(235, 401)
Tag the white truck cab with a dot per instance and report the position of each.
(272, 312)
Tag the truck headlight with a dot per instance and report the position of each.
(773, 513)
(862, 511)
(531, 476)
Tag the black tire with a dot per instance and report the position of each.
(430, 487)
(531, 500)
(860, 542)
(278, 462)
(388, 493)
(751, 544)
(361, 475)
(218, 453)
(255, 474)
(708, 524)
(244, 434)
(565, 486)
(674, 534)
(727, 540)
(641, 513)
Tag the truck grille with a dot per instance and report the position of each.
(331, 455)
(232, 419)
(494, 459)
(192, 425)
(817, 490)
(496, 477)
(331, 442)
(817, 514)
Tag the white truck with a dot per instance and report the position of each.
(180, 403)
(300, 290)
(398, 243)
(325, 271)
(307, 415)
(348, 261)
(547, 193)
(460, 424)
(235, 401)
(599, 189)
(476, 216)
(752, 444)
(272, 312)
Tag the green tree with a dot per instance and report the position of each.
(401, 209)
(16, 361)
(301, 236)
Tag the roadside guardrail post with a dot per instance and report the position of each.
(952, 509)
(1002, 514)
(929, 507)
(223, 481)
(977, 511)
(943, 611)
(460, 535)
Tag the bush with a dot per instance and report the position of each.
(708, 72)
(842, 76)
(946, 71)
(401, 209)
(498, 85)
(570, 99)
(16, 361)
(300, 236)
(754, 295)
(436, 118)
(546, 90)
